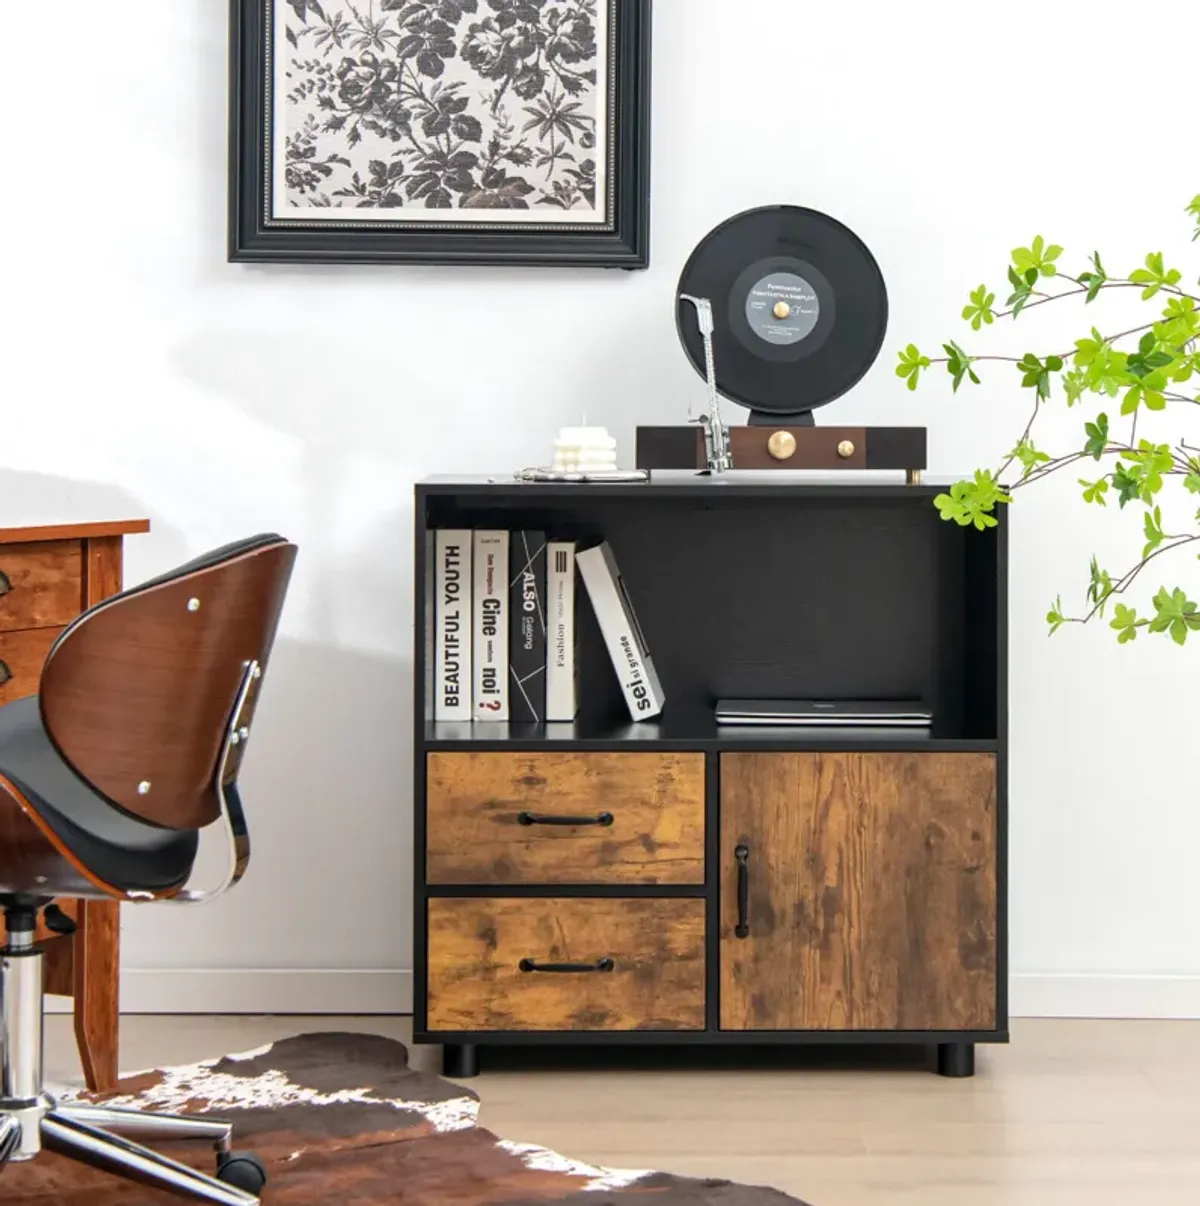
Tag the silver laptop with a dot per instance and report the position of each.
(836, 712)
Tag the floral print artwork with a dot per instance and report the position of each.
(395, 108)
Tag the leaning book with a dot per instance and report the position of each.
(622, 633)
(452, 626)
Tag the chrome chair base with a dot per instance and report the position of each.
(74, 1132)
(98, 1136)
(10, 1137)
(69, 1132)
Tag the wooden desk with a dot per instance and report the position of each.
(48, 575)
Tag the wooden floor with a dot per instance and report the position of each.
(1072, 1114)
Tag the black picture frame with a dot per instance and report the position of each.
(623, 241)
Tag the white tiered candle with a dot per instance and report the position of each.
(584, 450)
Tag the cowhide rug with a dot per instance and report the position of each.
(342, 1120)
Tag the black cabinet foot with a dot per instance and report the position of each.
(956, 1059)
(460, 1060)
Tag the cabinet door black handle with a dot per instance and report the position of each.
(567, 969)
(535, 818)
(5, 583)
(742, 854)
(5, 673)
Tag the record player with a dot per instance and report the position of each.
(783, 310)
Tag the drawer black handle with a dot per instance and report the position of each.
(5, 673)
(742, 854)
(536, 818)
(567, 969)
(5, 583)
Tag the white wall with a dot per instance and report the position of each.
(144, 375)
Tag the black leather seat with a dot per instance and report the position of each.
(121, 849)
(131, 747)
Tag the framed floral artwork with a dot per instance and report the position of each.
(441, 132)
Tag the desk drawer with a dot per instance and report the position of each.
(497, 965)
(41, 585)
(506, 818)
(22, 655)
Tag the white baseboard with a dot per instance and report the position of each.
(391, 992)
(1088, 996)
(249, 991)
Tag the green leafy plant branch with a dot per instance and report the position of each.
(1149, 367)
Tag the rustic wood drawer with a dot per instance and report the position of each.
(497, 965)
(41, 585)
(22, 655)
(507, 818)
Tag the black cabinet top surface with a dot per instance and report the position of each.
(687, 483)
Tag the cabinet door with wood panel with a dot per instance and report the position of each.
(858, 891)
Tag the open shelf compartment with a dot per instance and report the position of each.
(765, 593)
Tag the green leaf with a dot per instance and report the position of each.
(1175, 614)
(1075, 385)
(1087, 351)
(1029, 456)
(1022, 292)
(1194, 210)
(1144, 365)
(1151, 464)
(1037, 375)
(1055, 617)
(1154, 533)
(1097, 434)
(1095, 281)
(1192, 482)
(1108, 374)
(973, 503)
(1184, 368)
(1125, 621)
(1180, 307)
(1100, 588)
(1094, 492)
(1036, 259)
(979, 311)
(1180, 326)
(959, 364)
(1155, 276)
(1127, 485)
(911, 365)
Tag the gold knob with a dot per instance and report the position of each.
(845, 450)
(782, 310)
(782, 445)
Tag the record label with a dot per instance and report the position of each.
(783, 308)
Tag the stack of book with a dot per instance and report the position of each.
(506, 644)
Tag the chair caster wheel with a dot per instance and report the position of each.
(242, 1170)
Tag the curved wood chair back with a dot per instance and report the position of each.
(138, 693)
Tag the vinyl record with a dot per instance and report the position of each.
(800, 305)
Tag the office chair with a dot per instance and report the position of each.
(131, 746)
